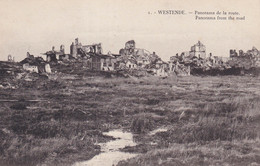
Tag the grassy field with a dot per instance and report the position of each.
(57, 121)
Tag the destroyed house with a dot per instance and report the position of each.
(77, 49)
(160, 72)
(160, 64)
(53, 56)
(101, 62)
(142, 61)
(159, 67)
(32, 60)
(35, 64)
(130, 63)
(181, 69)
(37, 67)
(215, 60)
(94, 48)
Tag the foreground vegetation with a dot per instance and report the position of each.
(57, 121)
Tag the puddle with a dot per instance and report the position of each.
(110, 154)
(162, 129)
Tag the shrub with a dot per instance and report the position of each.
(44, 129)
(141, 123)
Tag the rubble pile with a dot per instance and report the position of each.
(141, 56)
(245, 60)
(35, 64)
(8, 68)
(182, 70)
(140, 59)
(10, 73)
(16, 74)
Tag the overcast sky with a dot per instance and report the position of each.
(36, 26)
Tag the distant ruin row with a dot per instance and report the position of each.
(132, 58)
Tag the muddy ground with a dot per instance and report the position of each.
(59, 120)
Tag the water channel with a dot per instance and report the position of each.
(110, 151)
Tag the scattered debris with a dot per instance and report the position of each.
(47, 68)
(31, 68)
(245, 60)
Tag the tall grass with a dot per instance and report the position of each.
(229, 120)
(141, 123)
(224, 133)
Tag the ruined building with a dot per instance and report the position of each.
(233, 54)
(252, 54)
(94, 53)
(129, 48)
(77, 49)
(136, 57)
(102, 62)
(91, 54)
(10, 58)
(179, 68)
(35, 64)
(29, 56)
(53, 55)
(198, 50)
(248, 59)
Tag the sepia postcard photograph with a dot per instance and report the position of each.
(129, 83)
